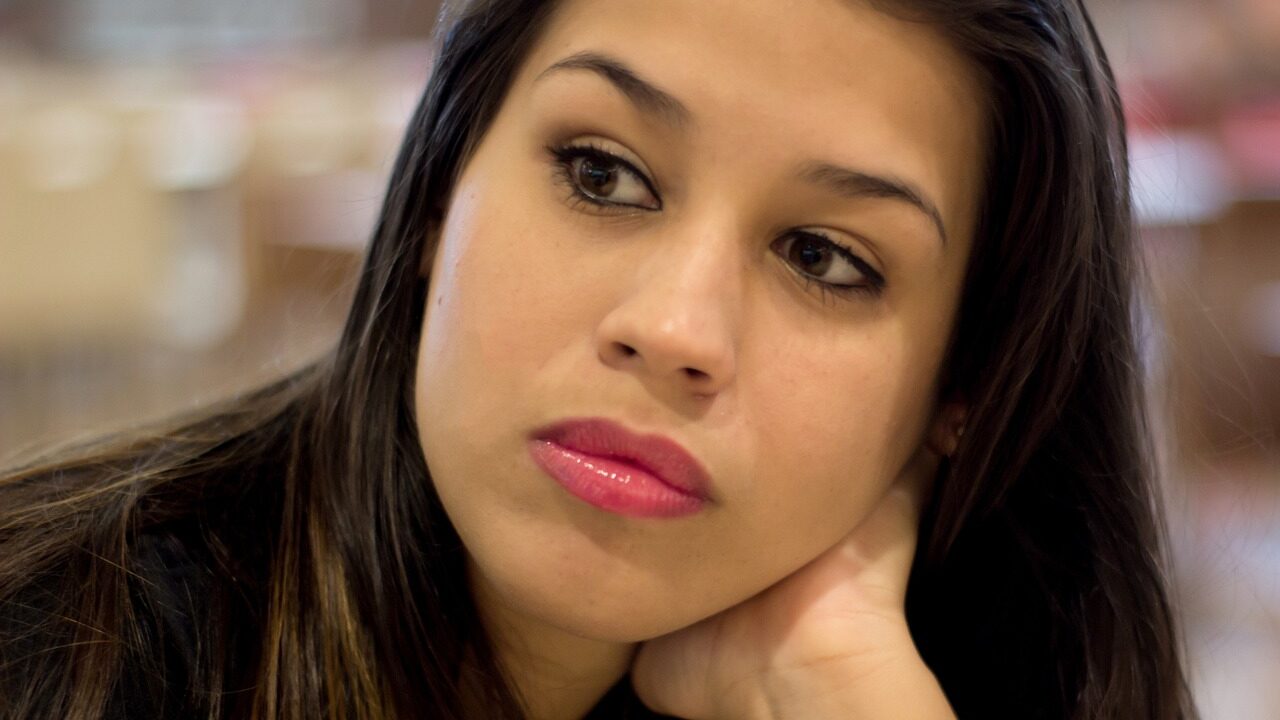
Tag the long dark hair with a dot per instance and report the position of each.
(324, 579)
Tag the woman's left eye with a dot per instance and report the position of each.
(833, 267)
(604, 179)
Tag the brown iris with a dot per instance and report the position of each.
(810, 255)
(597, 178)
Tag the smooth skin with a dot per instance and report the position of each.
(679, 255)
(829, 641)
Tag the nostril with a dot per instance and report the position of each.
(695, 374)
(626, 350)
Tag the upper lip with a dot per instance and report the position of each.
(662, 457)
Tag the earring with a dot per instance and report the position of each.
(957, 433)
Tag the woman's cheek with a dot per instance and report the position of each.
(496, 293)
(834, 426)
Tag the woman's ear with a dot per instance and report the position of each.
(947, 428)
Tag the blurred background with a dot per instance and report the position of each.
(186, 188)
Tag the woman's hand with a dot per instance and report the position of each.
(828, 641)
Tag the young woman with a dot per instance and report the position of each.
(724, 359)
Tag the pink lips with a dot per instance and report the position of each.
(613, 469)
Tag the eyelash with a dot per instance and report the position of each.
(874, 286)
(565, 155)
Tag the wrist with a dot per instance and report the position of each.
(890, 681)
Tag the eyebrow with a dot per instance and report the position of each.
(643, 94)
(854, 184)
(652, 100)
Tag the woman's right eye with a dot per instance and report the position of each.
(604, 179)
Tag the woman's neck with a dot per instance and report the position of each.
(560, 676)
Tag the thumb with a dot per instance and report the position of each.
(883, 545)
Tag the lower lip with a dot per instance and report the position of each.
(612, 485)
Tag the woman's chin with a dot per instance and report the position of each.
(584, 591)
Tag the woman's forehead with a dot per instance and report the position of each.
(812, 82)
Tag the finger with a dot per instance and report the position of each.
(918, 478)
(897, 514)
(669, 673)
(883, 545)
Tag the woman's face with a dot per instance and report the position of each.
(741, 225)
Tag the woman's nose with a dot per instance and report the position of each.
(676, 325)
